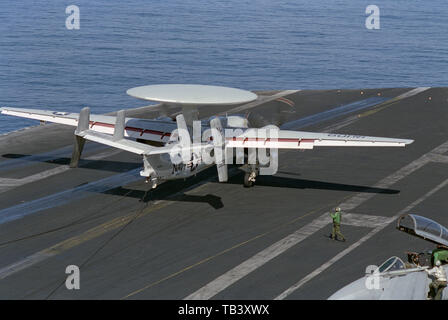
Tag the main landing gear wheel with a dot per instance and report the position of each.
(249, 179)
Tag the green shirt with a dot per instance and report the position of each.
(336, 217)
(440, 254)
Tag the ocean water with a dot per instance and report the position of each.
(254, 45)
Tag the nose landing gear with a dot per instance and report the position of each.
(153, 182)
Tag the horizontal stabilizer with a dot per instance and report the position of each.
(133, 146)
(124, 144)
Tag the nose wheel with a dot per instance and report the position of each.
(152, 181)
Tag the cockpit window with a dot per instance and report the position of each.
(386, 264)
(397, 265)
(392, 264)
(429, 226)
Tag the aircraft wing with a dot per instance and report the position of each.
(285, 139)
(66, 118)
(149, 129)
(100, 129)
(101, 126)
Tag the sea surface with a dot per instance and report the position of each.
(254, 45)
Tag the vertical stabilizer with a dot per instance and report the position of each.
(83, 124)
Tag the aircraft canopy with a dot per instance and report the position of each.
(424, 228)
(391, 264)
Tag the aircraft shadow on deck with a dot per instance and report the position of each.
(97, 164)
(285, 182)
(147, 196)
(167, 189)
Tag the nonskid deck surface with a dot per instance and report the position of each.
(199, 239)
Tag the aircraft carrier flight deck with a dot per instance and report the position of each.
(201, 239)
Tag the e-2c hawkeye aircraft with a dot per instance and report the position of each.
(157, 140)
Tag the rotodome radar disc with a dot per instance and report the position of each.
(193, 94)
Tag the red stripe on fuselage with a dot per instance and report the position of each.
(287, 101)
(142, 131)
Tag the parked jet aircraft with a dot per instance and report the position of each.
(396, 280)
(158, 139)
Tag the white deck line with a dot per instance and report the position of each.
(8, 184)
(339, 256)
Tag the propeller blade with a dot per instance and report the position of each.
(184, 134)
(219, 149)
(184, 138)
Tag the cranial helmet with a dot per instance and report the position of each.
(438, 263)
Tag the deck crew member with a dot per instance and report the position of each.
(336, 216)
(439, 283)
